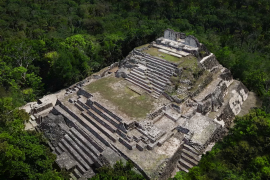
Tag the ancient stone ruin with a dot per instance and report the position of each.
(161, 107)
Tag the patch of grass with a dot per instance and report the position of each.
(199, 81)
(156, 53)
(127, 101)
(189, 62)
(174, 80)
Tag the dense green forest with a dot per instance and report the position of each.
(47, 45)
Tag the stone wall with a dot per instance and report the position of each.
(166, 168)
(213, 101)
(238, 94)
(108, 112)
(192, 41)
(82, 104)
(214, 137)
(84, 93)
(41, 107)
(156, 113)
(116, 64)
(172, 35)
(209, 62)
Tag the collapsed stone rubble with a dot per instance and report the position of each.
(86, 134)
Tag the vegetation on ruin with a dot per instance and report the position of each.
(127, 101)
(243, 154)
(23, 154)
(49, 45)
(154, 52)
(118, 171)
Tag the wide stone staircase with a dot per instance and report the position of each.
(80, 150)
(90, 133)
(190, 157)
(152, 74)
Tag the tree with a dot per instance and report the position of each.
(23, 154)
(118, 171)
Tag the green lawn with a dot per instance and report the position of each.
(155, 52)
(127, 101)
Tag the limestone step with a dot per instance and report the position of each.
(182, 168)
(138, 84)
(138, 71)
(84, 131)
(129, 145)
(85, 141)
(77, 173)
(138, 78)
(101, 121)
(157, 82)
(191, 149)
(153, 63)
(157, 77)
(145, 86)
(170, 53)
(141, 76)
(78, 106)
(100, 131)
(156, 89)
(163, 61)
(141, 81)
(158, 86)
(155, 95)
(110, 115)
(159, 62)
(185, 163)
(90, 157)
(108, 112)
(110, 121)
(164, 138)
(164, 72)
(73, 177)
(65, 114)
(80, 168)
(160, 75)
(191, 155)
(189, 160)
(75, 154)
(82, 127)
(58, 150)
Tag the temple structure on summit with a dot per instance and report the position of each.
(161, 107)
